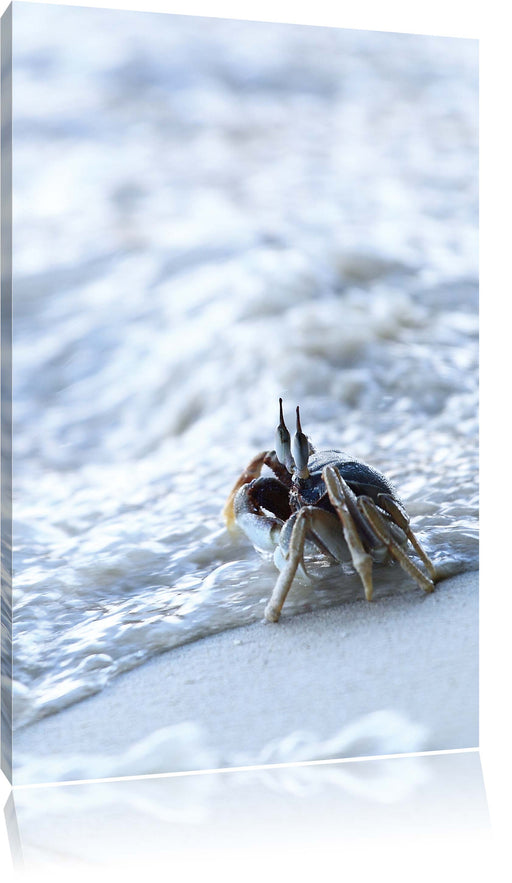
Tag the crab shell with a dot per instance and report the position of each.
(361, 479)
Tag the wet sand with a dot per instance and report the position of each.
(397, 675)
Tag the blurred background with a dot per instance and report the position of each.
(207, 215)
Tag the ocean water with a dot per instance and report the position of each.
(209, 215)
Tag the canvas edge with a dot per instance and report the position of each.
(6, 391)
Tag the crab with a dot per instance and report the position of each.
(322, 501)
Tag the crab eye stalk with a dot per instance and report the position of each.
(283, 449)
(300, 448)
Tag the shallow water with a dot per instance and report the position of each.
(208, 215)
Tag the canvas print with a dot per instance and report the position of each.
(243, 375)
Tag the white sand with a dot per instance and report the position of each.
(415, 656)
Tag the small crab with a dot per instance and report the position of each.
(328, 499)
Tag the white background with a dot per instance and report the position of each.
(487, 22)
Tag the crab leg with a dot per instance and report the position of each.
(382, 530)
(285, 579)
(400, 518)
(339, 493)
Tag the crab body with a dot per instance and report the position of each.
(326, 501)
(361, 478)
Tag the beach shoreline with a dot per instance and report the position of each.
(359, 679)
